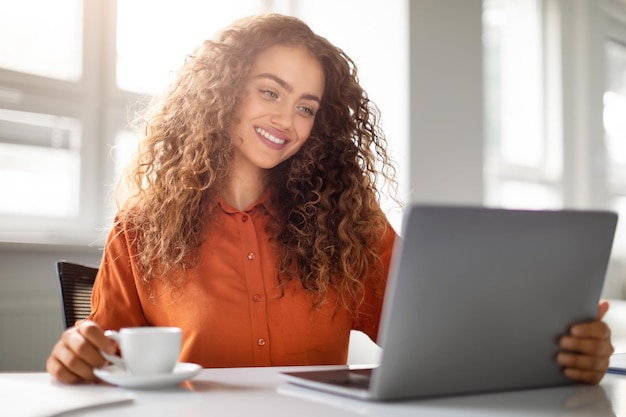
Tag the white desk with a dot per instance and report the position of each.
(261, 392)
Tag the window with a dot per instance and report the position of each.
(40, 156)
(146, 54)
(76, 70)
(46, 38)
(46, 122)
(614, 119)
(523, 166)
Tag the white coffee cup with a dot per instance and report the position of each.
(146, 350)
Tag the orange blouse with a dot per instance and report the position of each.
(229, 306)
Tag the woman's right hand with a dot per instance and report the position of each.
(77, 353)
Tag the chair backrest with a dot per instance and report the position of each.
(75, 285)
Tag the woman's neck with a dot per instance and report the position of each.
(245, 186)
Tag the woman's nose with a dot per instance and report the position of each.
(283, 115)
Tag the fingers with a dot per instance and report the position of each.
(583, 368)
(603, 307)
(64, 365)
(595, 342)
(55, 367)
(75, 356)
(586, 350)
(594, 329)
(94, 334)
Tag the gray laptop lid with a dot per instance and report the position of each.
(477, 298)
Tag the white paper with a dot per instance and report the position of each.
(47, 398)
(617, 362)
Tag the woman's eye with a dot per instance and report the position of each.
(270, 93)
(309, 111)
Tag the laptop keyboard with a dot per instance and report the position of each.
(359, 378)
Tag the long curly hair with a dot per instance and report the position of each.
(330, 223)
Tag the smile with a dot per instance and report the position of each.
(269, 137)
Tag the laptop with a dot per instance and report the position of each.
(476, 301)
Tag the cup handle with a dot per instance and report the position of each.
(114, 359)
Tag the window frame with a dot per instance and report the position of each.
(76, 99)
(615, 31)
(548, 172)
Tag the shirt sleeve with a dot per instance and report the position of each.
(115, 302)
(368, 316)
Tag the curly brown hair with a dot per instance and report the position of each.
(330, 224)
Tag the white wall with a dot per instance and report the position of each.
(446, 111)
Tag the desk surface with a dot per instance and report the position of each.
(261, 392)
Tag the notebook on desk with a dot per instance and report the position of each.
(477, 299)
(617, 364)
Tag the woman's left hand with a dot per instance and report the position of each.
(586, 349)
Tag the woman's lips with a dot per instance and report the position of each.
(272, 139)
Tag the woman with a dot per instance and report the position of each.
(252, 219)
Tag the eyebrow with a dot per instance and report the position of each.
(284, 84)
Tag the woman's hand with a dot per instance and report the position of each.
(77, 353)
(586, 349)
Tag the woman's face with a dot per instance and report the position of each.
(278, 107)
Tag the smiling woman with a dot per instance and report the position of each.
(163, 51)
(252, 203)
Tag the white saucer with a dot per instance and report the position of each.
(116, 376)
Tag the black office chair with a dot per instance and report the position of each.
(75, 285)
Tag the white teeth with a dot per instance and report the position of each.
(269, 137)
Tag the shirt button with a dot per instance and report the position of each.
(244, 218)
(251, 256)
(261, 342)
(256, 298)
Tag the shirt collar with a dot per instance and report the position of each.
(263, 202)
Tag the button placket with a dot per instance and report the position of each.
(256, 289)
